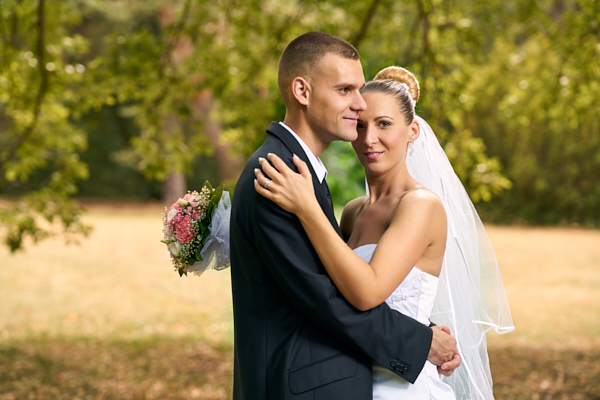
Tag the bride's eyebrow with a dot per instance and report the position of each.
(383, 116)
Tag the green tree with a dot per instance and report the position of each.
(199, 77)
(536, 105)
(41, 81)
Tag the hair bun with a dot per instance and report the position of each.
(401, 75)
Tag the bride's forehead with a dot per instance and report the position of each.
(380, 104)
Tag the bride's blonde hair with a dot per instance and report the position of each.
(399, 83)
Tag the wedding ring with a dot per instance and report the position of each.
(266, 183)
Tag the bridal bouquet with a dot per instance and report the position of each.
(196, 230)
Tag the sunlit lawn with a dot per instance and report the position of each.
(110, 319)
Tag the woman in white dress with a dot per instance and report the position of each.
(415, 223)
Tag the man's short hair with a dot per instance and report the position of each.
(304, 54)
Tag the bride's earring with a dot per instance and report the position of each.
(411, 148)
(356, 157)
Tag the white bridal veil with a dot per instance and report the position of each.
(471, 299)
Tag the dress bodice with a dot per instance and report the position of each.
(414, 297)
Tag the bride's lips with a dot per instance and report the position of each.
(373, 155)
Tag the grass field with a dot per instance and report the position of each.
(109, 319)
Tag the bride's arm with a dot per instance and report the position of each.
(364, 285)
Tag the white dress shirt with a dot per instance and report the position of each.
(316, 163)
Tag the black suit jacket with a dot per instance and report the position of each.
(296, 337)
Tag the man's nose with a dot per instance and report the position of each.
(359, 104)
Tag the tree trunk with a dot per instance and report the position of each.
(173, 187)
(229, 166)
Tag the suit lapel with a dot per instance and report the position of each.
(321, 189)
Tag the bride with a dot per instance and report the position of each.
(415, 241)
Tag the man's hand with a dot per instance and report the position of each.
(444, 352)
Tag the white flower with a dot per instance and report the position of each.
(175, 248)
(171, 214)
(183, 203)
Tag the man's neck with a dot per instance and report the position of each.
(308, 136)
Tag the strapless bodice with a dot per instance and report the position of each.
(414, 297)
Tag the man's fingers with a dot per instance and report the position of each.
(452, 364)
(448, 368)
(446, 329)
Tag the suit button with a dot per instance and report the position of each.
(394, 363)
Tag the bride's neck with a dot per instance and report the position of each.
(391, 182)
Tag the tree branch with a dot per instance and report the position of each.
(407, 57)
(173, 39)
(430, 55)
(43, 88)
(166, 57)
(366, 23)
(424, 14)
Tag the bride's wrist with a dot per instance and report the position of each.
(308, 211)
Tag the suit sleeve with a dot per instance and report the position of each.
(396, 341)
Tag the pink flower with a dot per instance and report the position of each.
(195, 216)
(194, 204)
(187, 197)
(184, 230)
(175, 205)
(170, 215)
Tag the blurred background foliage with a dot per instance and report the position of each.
(143, 99)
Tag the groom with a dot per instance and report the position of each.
(296, 337)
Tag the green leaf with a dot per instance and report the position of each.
(208, 185)
(214, 200)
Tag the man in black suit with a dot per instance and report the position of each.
(296, 337)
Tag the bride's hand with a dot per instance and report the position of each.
(294, 192)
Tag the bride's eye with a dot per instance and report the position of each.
(384, 123)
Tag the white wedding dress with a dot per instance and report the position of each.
(414, 298)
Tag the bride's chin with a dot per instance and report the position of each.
(374, 172)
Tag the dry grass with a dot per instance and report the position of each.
(552, 280)
(110, 319)
(117, 284)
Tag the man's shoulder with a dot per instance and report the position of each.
(272, 144)
(245, 183)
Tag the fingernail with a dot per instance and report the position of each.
(269, 154)
(260, 159)
(295, 156)
(255, 170)
(255, 181)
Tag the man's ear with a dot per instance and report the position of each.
(301, 90)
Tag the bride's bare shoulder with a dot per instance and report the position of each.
(423, 200)
(350, 214)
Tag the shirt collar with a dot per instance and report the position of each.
(316, 163)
